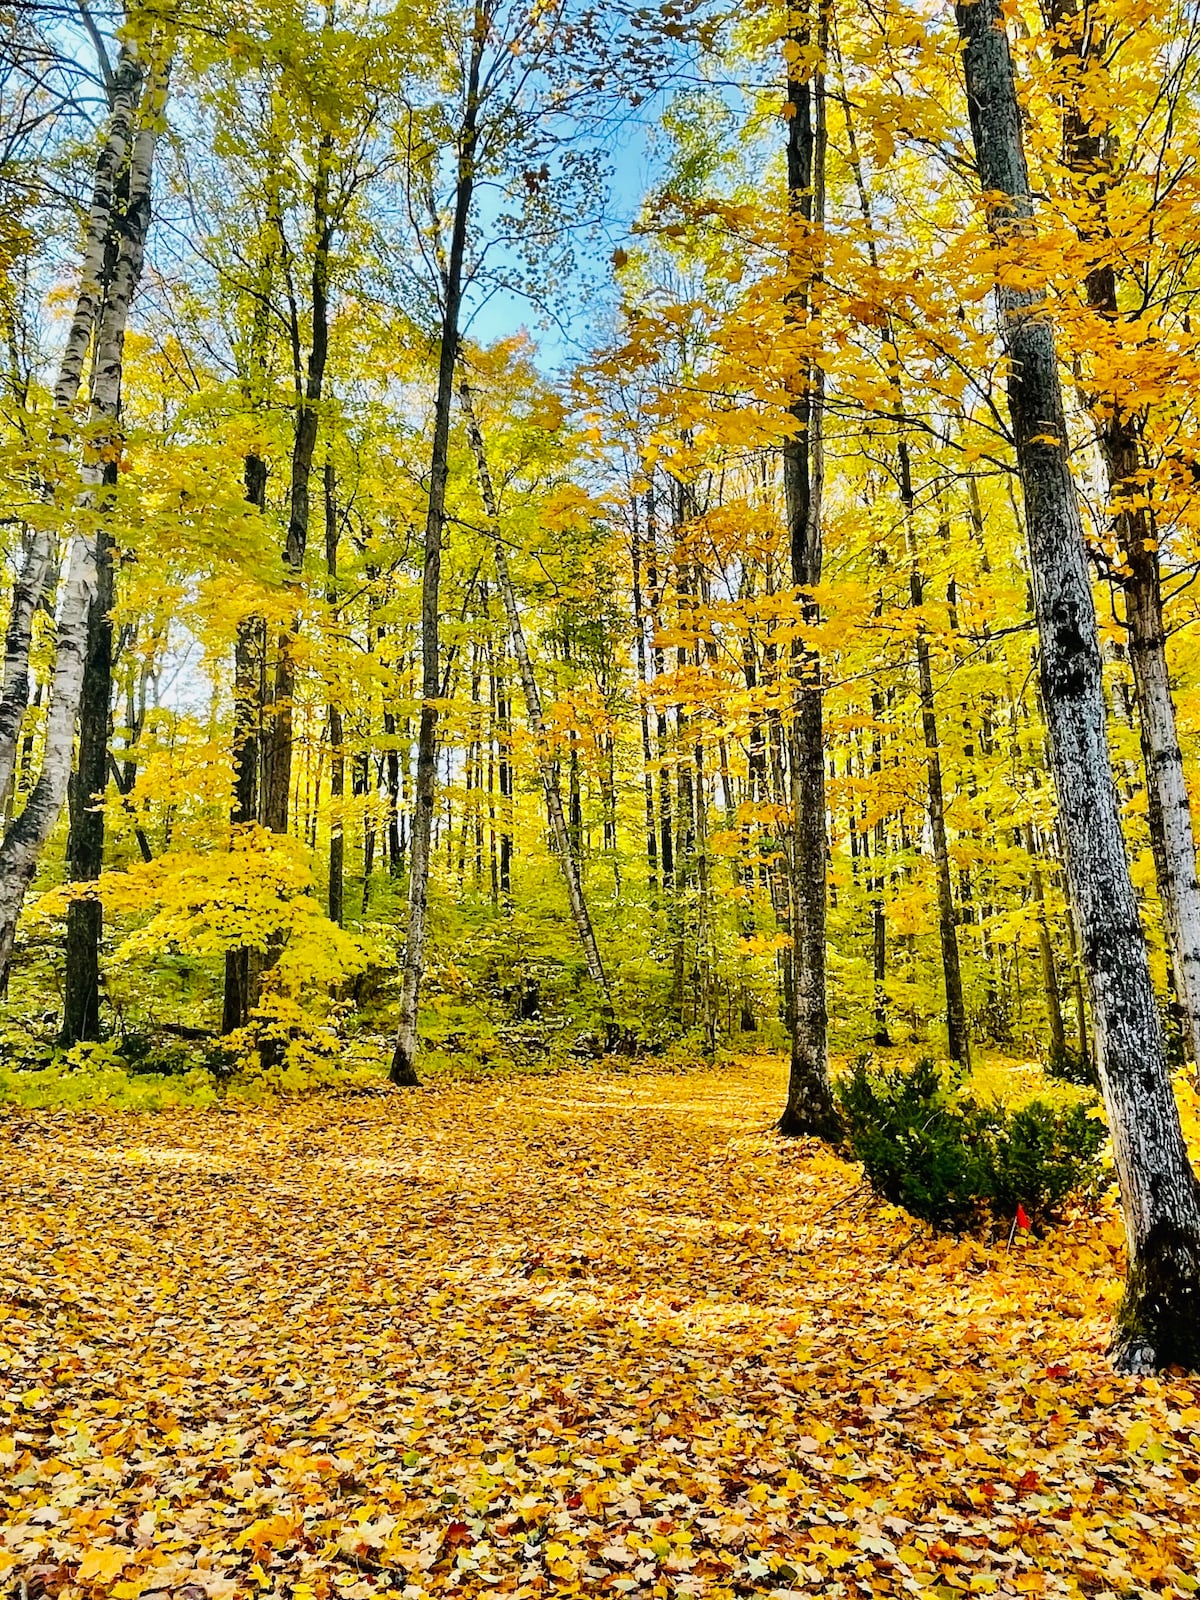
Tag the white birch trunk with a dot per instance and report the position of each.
(1159, 1320)
(26, 836)
(40, 549)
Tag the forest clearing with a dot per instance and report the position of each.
(598, 1334)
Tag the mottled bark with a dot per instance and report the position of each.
(27, 834)
(1159, 1320)
(94, 272)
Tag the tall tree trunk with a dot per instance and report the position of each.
(337, 743)
(1159, 1320)
(403, 1069)
(277, 773)
(560, 833)
(810, 1108)
(95, 272)
(85, 843)
(956, 1014)
(27, 834)
(243, 966)
(1085, 145)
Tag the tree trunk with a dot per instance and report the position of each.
(243, 966)
(94, 283)
(280, 735)
(560, 832)
(403, 1069)
(810, 1108)
(85, 843)
(956, 1014)
(26, 836)
(1159, 1320)
(1084, 147)
(337, 746)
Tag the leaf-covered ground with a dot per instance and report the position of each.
(581, 1335)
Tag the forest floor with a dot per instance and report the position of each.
(590, 1334)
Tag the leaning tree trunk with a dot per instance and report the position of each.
(560, 833)
(810, 1108)
(403, 1069)
(26, 836)
(111, 165)
(1159, 1320)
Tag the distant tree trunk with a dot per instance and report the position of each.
(560, 832)
(337, 743)
(1054, 1016)
(85, 843)
(243, 966)
(956, 1014)
(639, 624)
(27, 834)
(277, 767)
(403, 1069)
(810, 1108)
(1159, 1320)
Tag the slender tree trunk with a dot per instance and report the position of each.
(85, 844)
(26, 835)
(1159, 1320)
(277, 771)
(403, 1070)
(956, 1014)
(810, 1108)
(559, 830)
(337, 742)
(243, 966)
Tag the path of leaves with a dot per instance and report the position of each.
(589, 1335)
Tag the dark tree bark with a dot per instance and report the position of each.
(277, 764)
(810, 1108)
(956, 1011)
(403, 1069)
(1159, 1320)
(243, 966)
(337, 742)
(85, 799)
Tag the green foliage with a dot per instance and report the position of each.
(953, 1158)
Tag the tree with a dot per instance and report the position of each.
(1159, 1320)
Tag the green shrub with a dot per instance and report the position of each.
(952, 1159)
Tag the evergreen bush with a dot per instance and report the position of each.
(953, 1159)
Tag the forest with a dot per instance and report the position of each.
(599, 913)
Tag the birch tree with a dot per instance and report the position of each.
(99, 322)
(1159, 1320)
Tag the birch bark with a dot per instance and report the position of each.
(27, 834)
(1159, 1320)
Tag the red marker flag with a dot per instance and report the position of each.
(1022, 1217)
